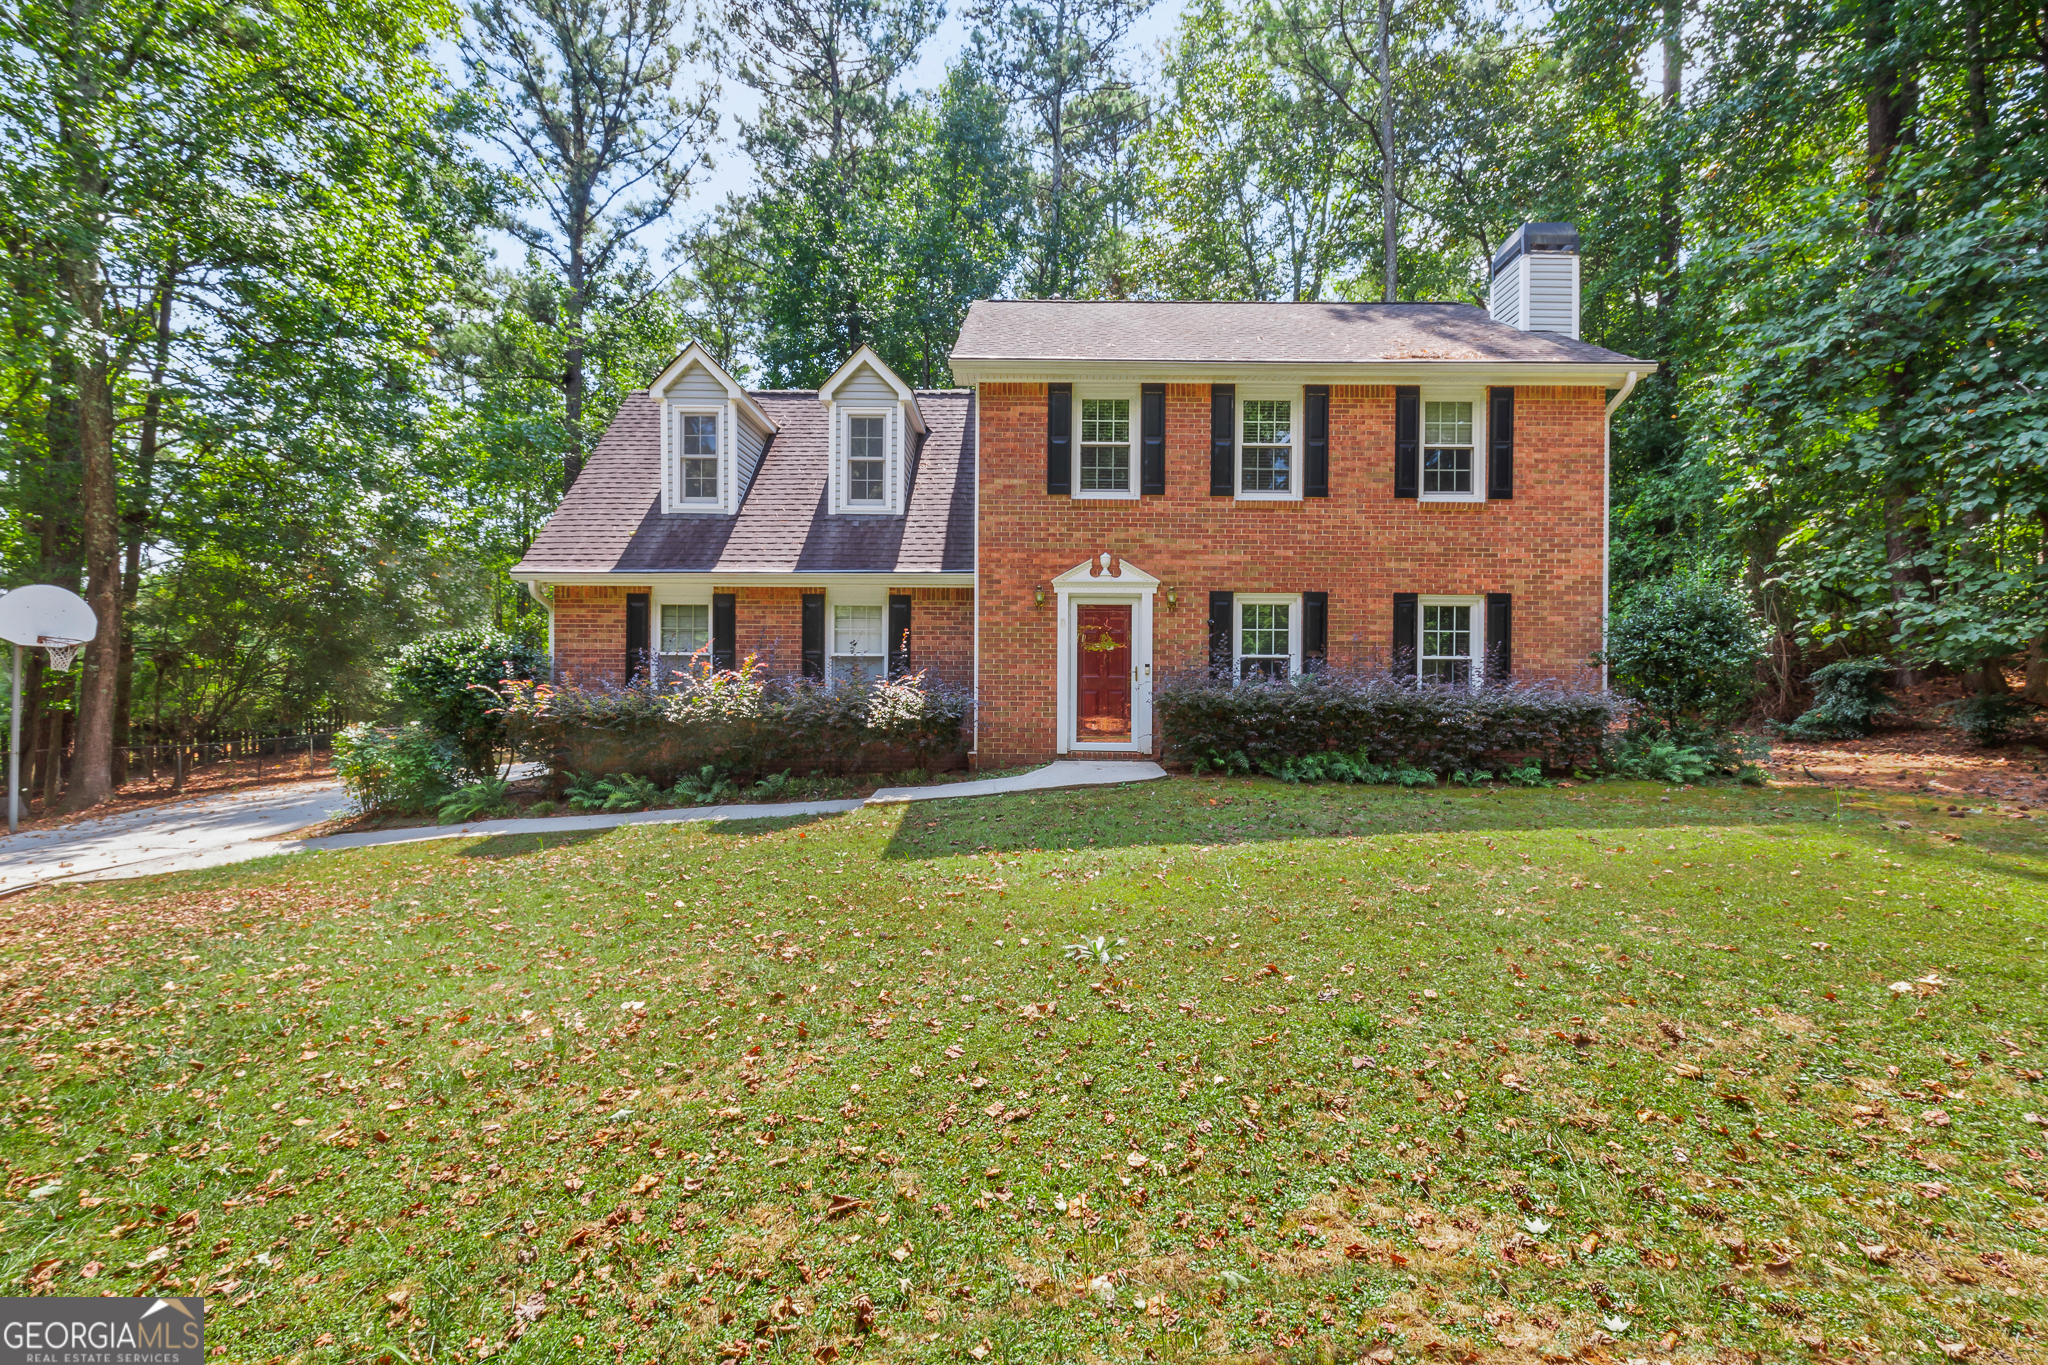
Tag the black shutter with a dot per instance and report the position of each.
(1315, 479)
(1222, 440)
(1221, 606)
(1407, 441)
(899, 634)
(1500, 435)
(1152, 439)
(1500, 636)
(725, 653)
(814, 635)
(1315, 631)
(1406, 627)
(636, 634)
(1059, 438)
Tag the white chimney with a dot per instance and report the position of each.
(1536, 280)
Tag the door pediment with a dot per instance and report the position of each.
(1105, 570)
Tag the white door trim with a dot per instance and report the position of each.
(1103, 578)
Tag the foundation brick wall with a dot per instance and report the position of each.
(1361, 544)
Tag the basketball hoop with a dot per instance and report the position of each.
(61, 656)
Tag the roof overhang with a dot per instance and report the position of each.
(758, 578)
(1606, 374)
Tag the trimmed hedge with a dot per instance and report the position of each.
(1383, 720)
(740, 724)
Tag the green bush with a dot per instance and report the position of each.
(1686, 648)
(1361, 726)
(406, 771)
(451, 680)
(1848, 697)
(1990, 721)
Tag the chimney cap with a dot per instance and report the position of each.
(1537, 237)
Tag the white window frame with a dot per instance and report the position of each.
(1136, 442)
(842, 455)
(672, 461)
(1292, 601)
(1477, 398)
(1294, 398)
(1475, 673)
(662, 658)
(834, 669)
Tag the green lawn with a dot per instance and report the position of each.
(1608, 1072)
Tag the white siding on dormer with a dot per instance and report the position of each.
(696, 385)
(748, 445)
(865, 388)
(1553, 292)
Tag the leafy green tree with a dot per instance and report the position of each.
(603, 141)
(1687, 647)
(450, 681)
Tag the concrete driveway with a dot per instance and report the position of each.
(170, 838)
(217, 830)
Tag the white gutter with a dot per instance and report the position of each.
(1607, 512)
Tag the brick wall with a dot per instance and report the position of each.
(1361, 544)
(942, 633)
(590, 631)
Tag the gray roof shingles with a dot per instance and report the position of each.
(612, 522)
(1117, 330)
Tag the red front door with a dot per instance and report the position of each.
(1105, 690)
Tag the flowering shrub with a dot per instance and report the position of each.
(1379, 722)
(739, 724)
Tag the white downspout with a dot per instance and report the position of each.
(1628, 387)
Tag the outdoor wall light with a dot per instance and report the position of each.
(1172, 597)
(1038, 596)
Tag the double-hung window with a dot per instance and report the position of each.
(1452, 468)
(867, 460)
(858, 643)
(1451, 633)
(1268, 636)
(685, 627)
(1266, 449)
(1105, 447)
(697, 442)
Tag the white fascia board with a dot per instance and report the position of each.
(1605, 374)
(695, 354)
(755, 579)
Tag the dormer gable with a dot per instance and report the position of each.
(712, 435)
(875, 424)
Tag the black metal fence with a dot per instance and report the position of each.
(234, 756)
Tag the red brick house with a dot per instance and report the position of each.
(1120, 489)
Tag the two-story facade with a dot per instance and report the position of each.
(1120, 490)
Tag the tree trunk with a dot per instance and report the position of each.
(2037, 670)
(92, 778)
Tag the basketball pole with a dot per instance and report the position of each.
(14, 749)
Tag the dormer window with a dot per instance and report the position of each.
(712, 435)
(867, 459)
(698, 443)
(874, 425)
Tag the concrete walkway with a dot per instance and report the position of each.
(231, 829)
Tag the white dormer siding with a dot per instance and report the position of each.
(873, 421)
(1536, 280)
(712, 436)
